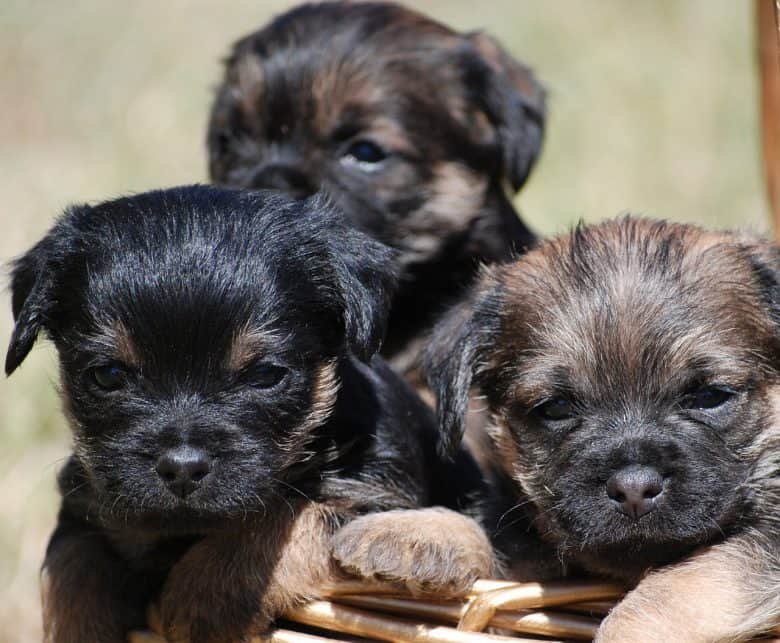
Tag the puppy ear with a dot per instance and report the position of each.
(515, 103)
(452, 357)
(366, 274)
(30, 300)
(764, 258)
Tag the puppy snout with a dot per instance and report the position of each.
(183, 469)
(285, 178)
(635, 490)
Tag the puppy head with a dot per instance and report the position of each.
(629, 368)
(413, 128)
(199, 332)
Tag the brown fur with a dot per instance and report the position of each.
(406, 547)
(274, 566)
(127, 353)
(626, 323)
(248, 345)
(457, 120)
(81, 595)
(729, 592)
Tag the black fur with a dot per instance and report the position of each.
(174, 279)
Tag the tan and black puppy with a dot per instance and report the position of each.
(633, 372)
(419, 133)
(216, 352)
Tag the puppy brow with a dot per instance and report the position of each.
(250, 78)
(116, 341)
(247, 345)
(543, 380)
(126, 349)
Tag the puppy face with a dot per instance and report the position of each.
(199, 332)
(630, 368)
(414, 129)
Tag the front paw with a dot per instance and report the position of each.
(426, 550)
(201, 604)
(648, 622)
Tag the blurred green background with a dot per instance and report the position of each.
(653, 109)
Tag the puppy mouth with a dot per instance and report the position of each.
(170, 513)
(624, 540)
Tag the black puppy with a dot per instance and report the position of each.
(421, 135)
(216, 361)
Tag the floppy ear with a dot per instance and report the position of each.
(764, 258)
(514, 101)
(452, 358)
(30, 300)
(366, 274)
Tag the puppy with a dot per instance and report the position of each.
(216, 364)
(632, 373)
(420, 134)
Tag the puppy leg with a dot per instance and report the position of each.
(85, 590)
(232, 584)
(729, 592)
(426, 550)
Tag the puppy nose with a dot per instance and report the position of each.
(183, 469)
(635, 490)
(283, 177)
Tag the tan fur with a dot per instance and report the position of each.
(456, 193)
(118, 343)
(126, 351)
(334, 83)
(249, 82)
(323, 398)
(247, 346)
(233, 584)
(729, 592)
(423, 550)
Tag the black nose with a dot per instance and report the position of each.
(635, 490)
(183, 469)
(285, 178)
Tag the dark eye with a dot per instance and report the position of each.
(110, 377)
(264, 374)
(366, 152)
(708, 397)
(558, 408)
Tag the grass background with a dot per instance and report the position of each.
(653, 109)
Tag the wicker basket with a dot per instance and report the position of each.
(358, 611)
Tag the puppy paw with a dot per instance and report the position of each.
(211, 598)
(231, 617)
(424, 550)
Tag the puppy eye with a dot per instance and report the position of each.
(558, 408)
(264, 374)
(366, 152)
(708, 397)
(110, 377)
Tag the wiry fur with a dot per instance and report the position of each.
(195, 293)
(460, 123)
(431, 550)
(625, 321)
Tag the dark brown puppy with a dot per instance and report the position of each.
(218, 371)
(419, 133)
(632, 369)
